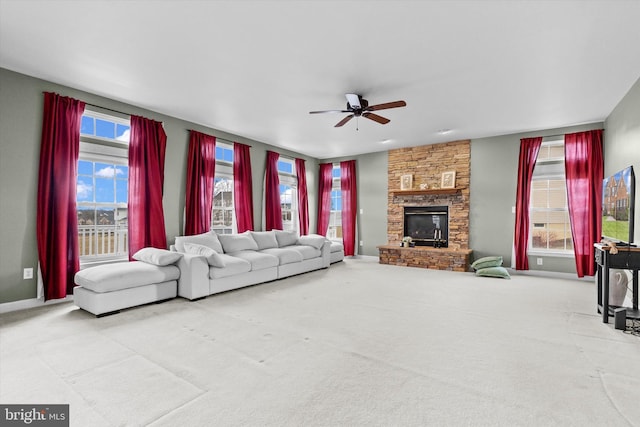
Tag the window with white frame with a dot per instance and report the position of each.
(335, 214)
(102, 187)
(550, 227)
(288, 193)
(223, 217)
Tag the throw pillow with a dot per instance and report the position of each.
(488, 261)
(209, 240)
(493, 272)
(315, 240)
(237, 242)
(286, 238)
(213, 258)
(155, 256)
(265, 239)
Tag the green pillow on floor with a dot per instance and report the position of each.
(488, 261)
(493, 272)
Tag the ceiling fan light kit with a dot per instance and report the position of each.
(359, 107)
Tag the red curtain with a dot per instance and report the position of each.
(584, 169)
(201, 164)
(242, 187)
(529, 148)
(146, 179)
(303, 200)
(56, 217)
(273, 210)
(349, 205)
(324, 196)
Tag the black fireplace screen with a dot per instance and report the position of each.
(427, 225)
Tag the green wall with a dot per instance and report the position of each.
(493, 178)
(371, 221)
(21, 103)
(494, 172)
(622, 143)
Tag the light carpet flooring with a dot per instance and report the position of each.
(358, 344)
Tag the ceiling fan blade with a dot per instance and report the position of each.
(387, 105)
(329, 111)
(376, 118)
(353, 100)
(343, 121)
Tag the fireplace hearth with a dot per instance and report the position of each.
(427, 225)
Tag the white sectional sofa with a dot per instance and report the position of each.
(109, 288)
(213, 263)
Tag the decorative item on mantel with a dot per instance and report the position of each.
(406, 241)
(448, 179)
(406, 182)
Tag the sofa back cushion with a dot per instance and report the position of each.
(213, 258)
(315, 240)
(237, 242)
(265, 239)
(286, 238)
(209, 240)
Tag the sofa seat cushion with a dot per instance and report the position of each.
(258, 261)
(336, 247)
(307, 252)
(232, 267)
(285, 255)
(118, 276)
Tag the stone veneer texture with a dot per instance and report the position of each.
(427, 163)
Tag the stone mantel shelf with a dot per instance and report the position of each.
(427, 249)
(422, 192)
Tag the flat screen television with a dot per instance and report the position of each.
(618, 206)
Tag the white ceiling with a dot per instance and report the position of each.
(256, 68)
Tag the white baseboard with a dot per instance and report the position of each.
(365, 257)
(25, 304)
(552, 274)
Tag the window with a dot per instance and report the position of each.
(102, 187)
(335, 215)
(288, 193)
(223, 217)
(548, 212)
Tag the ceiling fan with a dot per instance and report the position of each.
(358, 106)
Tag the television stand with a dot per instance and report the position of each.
(627, 258)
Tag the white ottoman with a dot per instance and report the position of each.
(337, 252)
(109, 288)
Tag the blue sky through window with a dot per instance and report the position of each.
(336, 200)
(102, 182)
(286, 167)
(93, 126)
(224, 154)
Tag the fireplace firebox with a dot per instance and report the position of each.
(427, 225)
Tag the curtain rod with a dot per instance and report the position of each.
(555, 136)
(219, 138)
(109, 109)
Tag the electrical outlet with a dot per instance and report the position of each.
(361, 243)
(539, 261)
(27, 273)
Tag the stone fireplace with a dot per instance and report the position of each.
(426, 164)
(427, 225)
